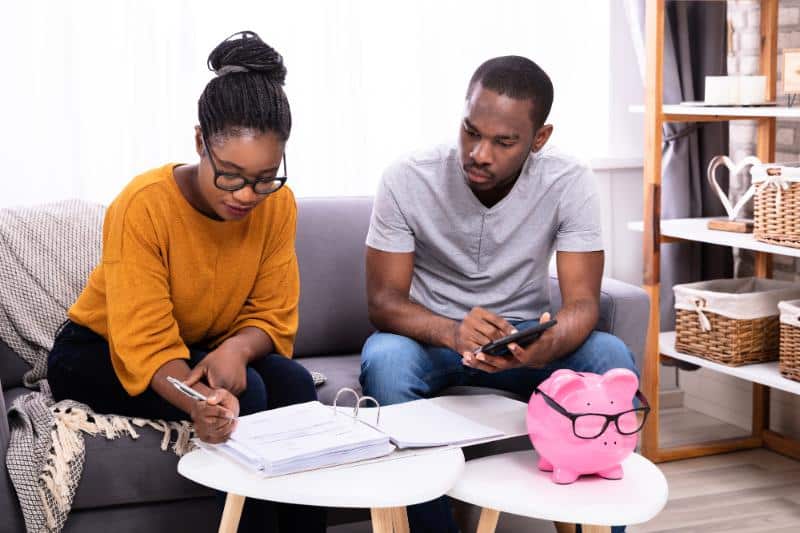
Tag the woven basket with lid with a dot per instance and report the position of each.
(789, 360)
(731, 321)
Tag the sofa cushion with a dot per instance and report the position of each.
(12, 367)
(196, 515)
(9, 395)
(340, 371)
(331, 233)
(127, 471)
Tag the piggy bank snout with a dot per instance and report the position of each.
(611, 441)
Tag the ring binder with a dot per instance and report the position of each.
(308, 435)
(359, 399)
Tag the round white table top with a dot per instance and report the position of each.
(513, 483)
(400, 479)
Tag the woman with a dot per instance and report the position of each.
(199, 278)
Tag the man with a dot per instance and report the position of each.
(458, 252)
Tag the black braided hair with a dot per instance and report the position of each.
(248, 90)
(519, 78)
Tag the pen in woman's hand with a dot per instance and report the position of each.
(187, 390)
(190, 392)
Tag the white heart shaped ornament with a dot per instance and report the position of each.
(733, 169)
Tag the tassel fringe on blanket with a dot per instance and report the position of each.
(46, 254)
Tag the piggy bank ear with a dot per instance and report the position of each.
(564, 382)
(620, 382)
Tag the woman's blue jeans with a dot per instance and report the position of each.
(79, 368)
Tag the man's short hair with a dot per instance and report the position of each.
(519, 78)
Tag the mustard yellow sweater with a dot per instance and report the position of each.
(171, 277)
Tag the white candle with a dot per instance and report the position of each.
(752, 89)
(721, 90)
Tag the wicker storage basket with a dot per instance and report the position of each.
(777, 204)
(731, 321)
(789, 361)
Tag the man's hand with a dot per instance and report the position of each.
(215, 420)
(224, 368)
(478, 328)
(536, 355)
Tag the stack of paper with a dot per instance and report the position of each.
(302, 437)
(312, 435)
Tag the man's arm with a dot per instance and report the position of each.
(390, 309)
(579, 276)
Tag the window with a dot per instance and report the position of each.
(95, 92)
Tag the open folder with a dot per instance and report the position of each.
(312, 435)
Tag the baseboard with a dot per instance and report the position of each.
(670, 399)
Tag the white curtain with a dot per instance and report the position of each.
(94, 92)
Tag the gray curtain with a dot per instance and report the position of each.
(694, 47)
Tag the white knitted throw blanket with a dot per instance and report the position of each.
(46, 255)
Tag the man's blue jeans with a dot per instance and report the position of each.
(396, 369)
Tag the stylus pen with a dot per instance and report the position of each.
(477, 350)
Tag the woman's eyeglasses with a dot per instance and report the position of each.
(228, 181)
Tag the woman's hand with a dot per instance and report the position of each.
(214, 420)
(224, 368)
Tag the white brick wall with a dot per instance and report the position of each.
(745, 17)
(741, 132)
(751, 42)
(786, 157)
(748, 65)
(785, 136)
(788, 16)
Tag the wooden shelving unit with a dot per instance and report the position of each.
(682, 113)
(696, 230)
(762, 373)
(655, 232)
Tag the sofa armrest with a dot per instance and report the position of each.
(624, 312)
(630, 314)
(10, 511)
(4, 431)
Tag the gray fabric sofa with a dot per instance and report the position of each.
(134, 485)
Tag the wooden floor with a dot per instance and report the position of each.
(748, 491)
(752, 491)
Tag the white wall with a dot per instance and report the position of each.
(620, 187)
(626, 129)
(98, 91)
(730, 399)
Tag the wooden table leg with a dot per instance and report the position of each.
(382, 519)
(585, 528)
(400, 520)
(563, 527)
(231, 513)
(488, 520)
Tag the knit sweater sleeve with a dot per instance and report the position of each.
(142, 331)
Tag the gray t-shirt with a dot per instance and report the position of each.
(468, 255)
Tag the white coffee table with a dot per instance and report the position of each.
(386, 486)
(512, 483)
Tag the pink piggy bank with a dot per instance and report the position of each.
(584, 423)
